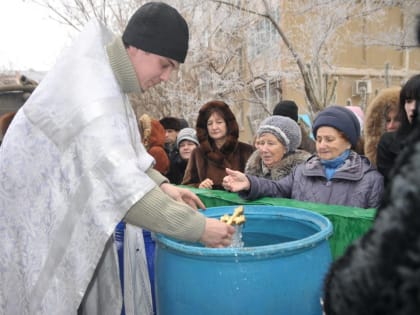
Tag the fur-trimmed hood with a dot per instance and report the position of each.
(5, 121)
(206, 143)
(153, 138)
(375, 119)
(255, 167)
(153, 133)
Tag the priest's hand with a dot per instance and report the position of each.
(217, 233)
(183, 195)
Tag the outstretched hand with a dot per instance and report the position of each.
(183, 195)
(235, 181)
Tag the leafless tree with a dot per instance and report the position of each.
(236, 46)
(76, 13)
(313, 33)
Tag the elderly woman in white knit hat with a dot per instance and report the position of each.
(279, 138)
(335, 175)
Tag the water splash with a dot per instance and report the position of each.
(237, 237)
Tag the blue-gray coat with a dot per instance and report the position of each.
(356, 183)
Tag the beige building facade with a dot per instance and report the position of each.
(363, 56)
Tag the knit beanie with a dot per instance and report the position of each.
(284, 128)
(286, 108)
(187, 134)
(341, 119)
(183, 123)
(159, 29)
(170, 123)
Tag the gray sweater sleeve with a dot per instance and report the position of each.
(157, 177)
(158, 212)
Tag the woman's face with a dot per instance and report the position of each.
(185, 149)
(216, 127)
(410, 106)
(271, 149)
(330, 143)
(392, 122)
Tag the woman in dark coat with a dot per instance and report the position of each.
(218, 133)
(391, 143)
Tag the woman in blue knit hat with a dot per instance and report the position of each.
(335, 175)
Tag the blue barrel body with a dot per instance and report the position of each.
(149, 246)
(280, 269)
(119, 241)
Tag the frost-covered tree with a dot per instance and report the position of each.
(311, 33)
(244, 51)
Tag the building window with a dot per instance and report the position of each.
(267, 95)
(263, 37)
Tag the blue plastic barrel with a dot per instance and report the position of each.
(149, 245)
(119, 241)
(280, 269)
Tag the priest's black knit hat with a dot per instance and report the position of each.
(159, 29)
(286, 108)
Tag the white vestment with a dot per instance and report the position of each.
(71, 165)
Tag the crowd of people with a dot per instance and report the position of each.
(336, 174)
(345, 160)
(353, 160)
(64, 190)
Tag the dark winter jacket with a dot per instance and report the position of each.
(388, 149)
(207, 161)
(356, 183)
(255, 166)
(177, 170)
